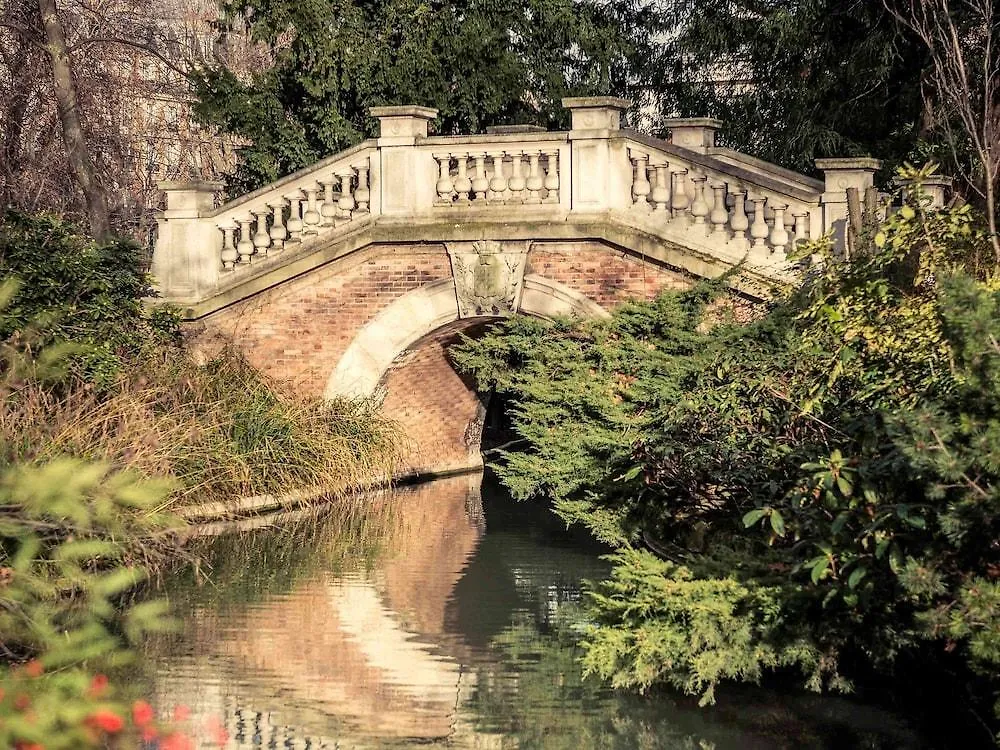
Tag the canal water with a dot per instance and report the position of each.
(436, 616)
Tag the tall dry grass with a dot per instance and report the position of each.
(222, 429)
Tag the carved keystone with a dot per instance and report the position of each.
(489, 276)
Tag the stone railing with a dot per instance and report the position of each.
(685, 192)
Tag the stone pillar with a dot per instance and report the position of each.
(601, 169)
(693, 133)
(841, 174)
(407, 176)
(934, 187)
(187, 257)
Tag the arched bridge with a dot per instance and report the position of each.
(355, 273)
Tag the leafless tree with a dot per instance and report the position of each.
(962, 38)
(95, 105)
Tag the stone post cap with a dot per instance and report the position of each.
(190, 196)
(934, 187)
(862, 163)
(842, 173)
(596, 112)
(695, 133)
(405, 121)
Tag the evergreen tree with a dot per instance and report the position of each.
(479, 62)
(798, 80)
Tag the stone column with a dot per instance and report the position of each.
(407, 175)
(693, 133)
(841, 174)
(601, 168)
(187, 257)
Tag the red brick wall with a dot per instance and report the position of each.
(437, 409)
(603, 274)
(298, 331)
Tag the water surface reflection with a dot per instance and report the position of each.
(436, 617)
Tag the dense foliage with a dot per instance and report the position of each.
(71, 288)
(821, 481)
(477, 61)
(797, 81)
(107, 421)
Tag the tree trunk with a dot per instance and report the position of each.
(80, 162)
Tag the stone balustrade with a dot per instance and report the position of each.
(685, 191)
(738, 214)
(499, 173)
(257, 227)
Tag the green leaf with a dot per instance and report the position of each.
(857, 575)
(777, 523)
(753, 517)
(819, 569)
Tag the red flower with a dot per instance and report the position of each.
(98, 686)
(149, 734)
(106, 720)
(34, 668)
(21, 702)
(22, 745)
(181, 713)
(142, 713)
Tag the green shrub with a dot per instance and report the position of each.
(72, 288)
(839, 453)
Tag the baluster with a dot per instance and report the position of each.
(640, 181)
(535, 182)
(551, 182)
(346, 203)
(363, 194)
(245, 246)
(699, 208)
(498, 183)
(679, 198)
(328, 210)
(294, 223)
(278, 231)
(261, 239)
(517, 183)
(720, 214)
(758, 229)
(311, 217)
(463, 185)
(444, 186)
(738, 220)
(660, 194)
(801, 227)
(479, 183)
(229, 254)
(779, 235)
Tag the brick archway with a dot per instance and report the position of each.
(422, 311)
(402, 354)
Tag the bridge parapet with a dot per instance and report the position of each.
(686, 193)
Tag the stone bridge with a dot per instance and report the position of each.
(352, 276)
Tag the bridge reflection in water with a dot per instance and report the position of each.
(359, 656)
(403, 623)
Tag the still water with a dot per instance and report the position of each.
(437, 617)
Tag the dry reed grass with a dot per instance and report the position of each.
(221, 429)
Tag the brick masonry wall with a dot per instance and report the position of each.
(298, 331)
(437, 409)
(605, 275)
